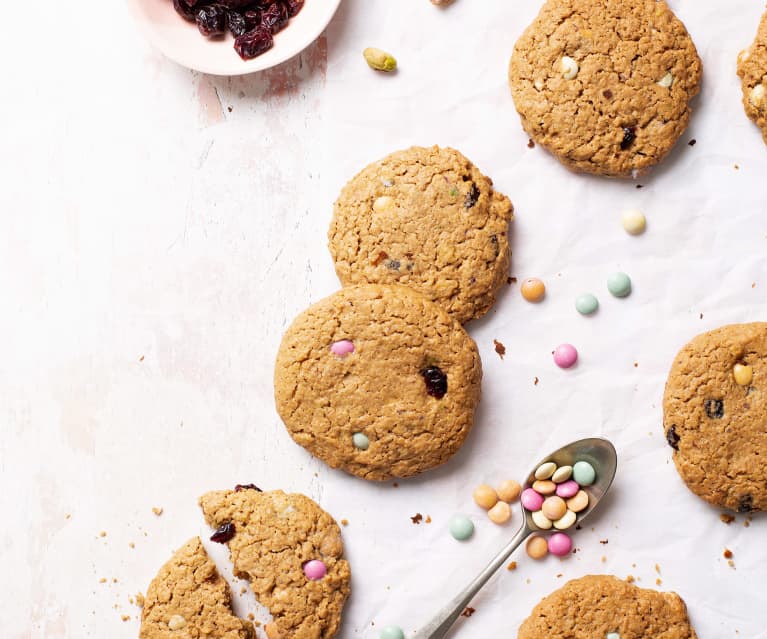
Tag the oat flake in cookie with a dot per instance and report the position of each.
(188, 598)
(604, 607)
(605, 85)
(715, 416)
(752, 69)
(291, 552)
(429, 219)
(378, 381)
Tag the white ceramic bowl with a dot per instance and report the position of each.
(182, 42)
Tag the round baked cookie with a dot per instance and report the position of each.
(274, 535)
(594, 606)
(752, 69)
(402, 402)
(425, 218)
(605, 85)
(188, 598)
(715, 416)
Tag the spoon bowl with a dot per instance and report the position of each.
(598, 452)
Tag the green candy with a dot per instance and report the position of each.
(461, 527)
(619, 284)
(361, 441)
(584, 473)
(392, 632)
(586, 304)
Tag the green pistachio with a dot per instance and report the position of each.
(379, 60)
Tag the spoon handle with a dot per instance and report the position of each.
(440, 624)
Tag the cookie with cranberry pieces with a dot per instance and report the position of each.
(715, 416)
(605, 85)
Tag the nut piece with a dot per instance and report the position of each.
(379, 60)
(569, 67)
(441, 3)
(176, 622)
(756, 97)
(666, 81)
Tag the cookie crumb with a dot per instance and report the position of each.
(125, 617)
(157, 510)
(603, 559)
(131, 544)
(141, 359)
(251, 616)
(727, 554)
(68, 516)
(417, 518)
(630, 579)
(692, 142)
(428, 519)
(658, 581)
(701, 316)
(603, 541)
(140, 600)
(636, 364)
(731, 563)
(499, 348)
(468, 611)
(344, 522)
(639, 186)
(726, 518)
(103, 533)
(657, 568)
(512, 566)
(530, 144)
(395, 485)
(753, 284)
(103, 580)
(737, 168)
(535, 381)
(229, 108)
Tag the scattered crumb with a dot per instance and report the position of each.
(395, 485)
(468, 611)
(125, 617)
(737, 168)
(603, 541)
(131, 544)
(657, 568)
(535, 381)
(103, 533)
(251, 616)
(243, 590)
(229, 108)
(603, 559)
(527, 581)
(701, 316)
(658, 581)
(139, 600)
(67, 516)
(630, 579)
(530, 144)
(753, 284)
(499, 348)
(726, 518)
(103, 580)
(417, 518)
(512, 566)
(639, 186)
(731, 563)
(141, 359)
(727, 554)
(633, 565)
(157, 510)
(692, 142)
(114, 580)
(428, 519)
(344, 522)
(747, 522)
(578, 527)
(559, 575)
(636, 364)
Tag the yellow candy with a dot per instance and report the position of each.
(533, 289)
(485, 496)
(500, 513)
(743, 374)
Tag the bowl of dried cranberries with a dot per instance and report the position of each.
(232, 37)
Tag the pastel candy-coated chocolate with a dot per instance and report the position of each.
(461, 527)
(545, 470)
(584, 473)
(392, 632)
(531, 499)
(360, 441)
(619, 284)
(342, 348)
(568, 489)
(565, 355)
(560, 544)
(540, 520)
(586, 304)
(315, 570)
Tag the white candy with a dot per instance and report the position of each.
(545, 471)
(666, 81)
(569, 68)
(540, 520)
(564, 522)
(176, 622)
(563, 473)
(613, 635)
(382, 203)
(634, 222)
(757, 95)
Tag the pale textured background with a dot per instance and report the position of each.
(155, 245)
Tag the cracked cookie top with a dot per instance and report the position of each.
(605, 85)
(425, 218)
(752, 69)
(378, 381)
(715, 416)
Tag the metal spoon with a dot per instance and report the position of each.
(600, 453)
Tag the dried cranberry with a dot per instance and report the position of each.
(211, 20)
(745, 504)
(236, 23)
(223, 533)
(714, 408)
(629, 135)
(436, 381)
(253, 43)
(275, 17)
(235, 4)
(294, 6)
(240, 487)
(184, 10)
(672, 438)
(252, 18)
(471, 197)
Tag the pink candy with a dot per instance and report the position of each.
(568, 489)
(560, 544)
(315, 570)
(565, 355)
(342, 348)
(531, 500)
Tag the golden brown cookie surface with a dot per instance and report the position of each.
(188, 599)
(605, 85)
(275, 534)
(429, 219)
(378, 411)
(715, 416)
(752, 69)
(596, 605)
